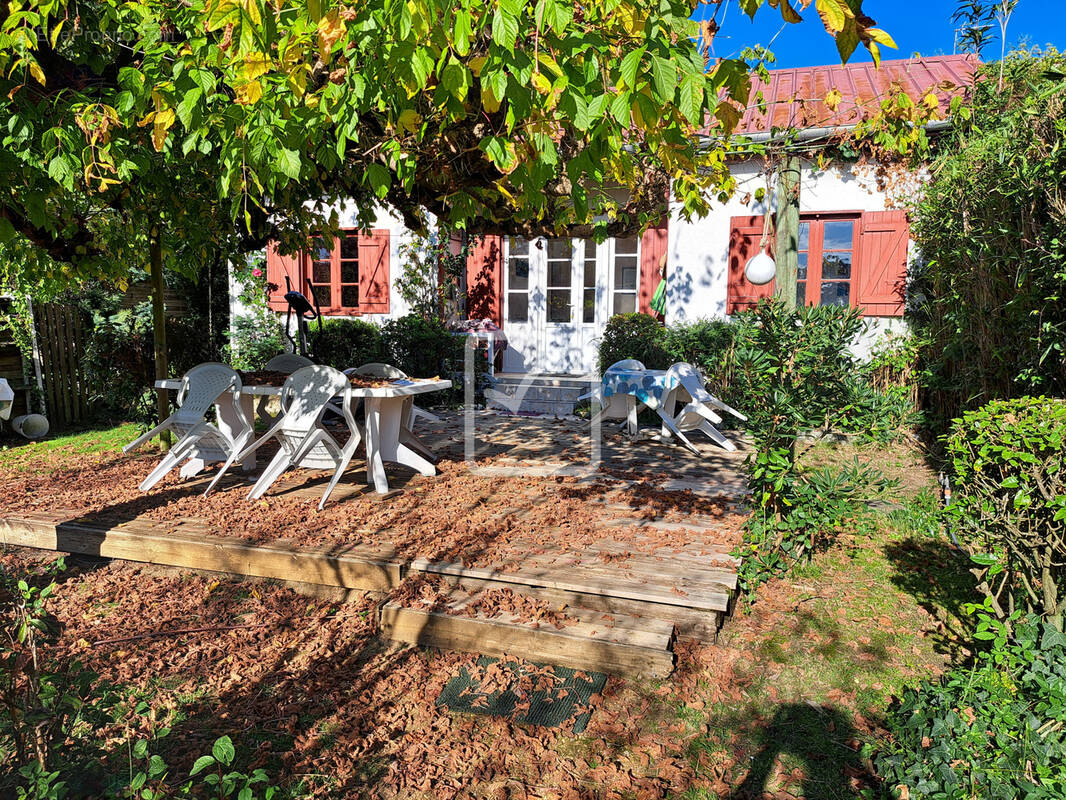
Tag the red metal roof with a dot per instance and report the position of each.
(794, 97)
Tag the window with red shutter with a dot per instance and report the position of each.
(350, 278)
(846, 258)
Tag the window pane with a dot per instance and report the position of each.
(320, 272)
(319, 251)
(625, 303)
(560, 248)
(560, 273)
(517, 307)
(517, 273)
(350, 296)
(349, 272)
(836, 293)
(838, 235)
(518, 246)
(625, 273)
(805, 236)
(625, 247)
(350, 246)
(590, 275)
(322, 295)
(559, 305)
(802, 270)
(801, 294)
(836, 265)
(588, 306)
(590, 249)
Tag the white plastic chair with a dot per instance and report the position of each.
(304, 442)
(287, 362)
(201, 387)
(618, 406)
(696, 412)
(282, 362)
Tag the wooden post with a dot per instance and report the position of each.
(155, 247)
(787, 224)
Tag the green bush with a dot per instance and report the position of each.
(344, 343)
(995, 729)
(708, 345)
(254, 340)
(634, 336)
(1009, 459)
(423, 347)
(989, 299)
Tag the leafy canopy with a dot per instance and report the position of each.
(234, 121)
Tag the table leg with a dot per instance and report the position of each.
(383, 432)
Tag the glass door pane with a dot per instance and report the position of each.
(560, 281)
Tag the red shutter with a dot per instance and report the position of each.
(652, 250)
(278, 267)
(882, 271)
(374, 272)
(484, 280)
(745, 233)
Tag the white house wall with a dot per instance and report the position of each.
(698, 251)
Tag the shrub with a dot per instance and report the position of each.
(990, 300)
(422, 347)
(1009, 459)
(708, 345)
(254, 340)
(995, 729)
(344, 343)
(634, 336)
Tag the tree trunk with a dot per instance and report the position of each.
(787, 224)
(159, 329)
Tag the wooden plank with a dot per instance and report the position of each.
(579, 646)
(609, 584)
(693, 623)
(159, 543)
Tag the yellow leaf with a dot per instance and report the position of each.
(477, 64)
(489, 101)
(551, 64)
(36, 72)
(251, 8)
(833, 13)
(541, 83)
(832, 99)
(255, 64)
(160, 125)
(932, 102)
(211, 587)
(248, 93)
(330, 29)
(881, 37)
(409, 120)
(55, 33)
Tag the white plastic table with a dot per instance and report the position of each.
(385, 437)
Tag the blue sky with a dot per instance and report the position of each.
(918, 26)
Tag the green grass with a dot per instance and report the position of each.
(32, 456)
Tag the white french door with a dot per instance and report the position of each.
(555, 303)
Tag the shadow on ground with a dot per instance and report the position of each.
(937, 574)
(807, 751)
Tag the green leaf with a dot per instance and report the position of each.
(630, 65)
(379, 179)
(504, 28)
(288, 161)
(691, 99)
(223, 750)
(202, 763)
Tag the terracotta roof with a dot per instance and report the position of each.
(793, 97)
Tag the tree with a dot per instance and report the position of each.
(228, 122)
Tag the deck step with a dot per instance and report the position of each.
(619, 644)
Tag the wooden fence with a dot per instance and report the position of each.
(61, 337)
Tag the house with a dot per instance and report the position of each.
(553, 297)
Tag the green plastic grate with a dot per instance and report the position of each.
(527, 693)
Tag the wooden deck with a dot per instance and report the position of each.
(609, 591)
